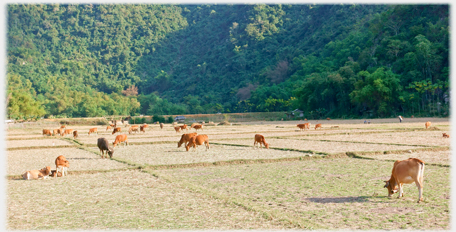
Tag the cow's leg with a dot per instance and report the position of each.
(400, 190)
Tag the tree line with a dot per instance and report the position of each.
(84, 60)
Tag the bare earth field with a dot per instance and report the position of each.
(327, 179)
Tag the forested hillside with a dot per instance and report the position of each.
(328, 60)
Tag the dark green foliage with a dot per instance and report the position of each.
(78, 60)
(157, 118)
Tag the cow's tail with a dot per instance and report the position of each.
(421, 172)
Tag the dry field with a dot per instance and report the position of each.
(330, 178)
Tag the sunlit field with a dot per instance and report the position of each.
(330, 178)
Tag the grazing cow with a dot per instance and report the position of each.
(185, 138)
(104, 147)
(145, 125)
(328, 119)
(134, 128)
(67, 132)
(406, 172)
(184, 127)
(400, 118)
(120, 139)
(412, 116)
(62, 126)
(75, 134)
(177, 128)
(198, 140)
(56, 131)
(117, 129)
(46, 132)
(427, 124)
(445, 135)
(196, 127)
(62, 164)
(93, 130)
(318, 126)
(162, 125)
(304, 126)
(37, 174)
(142, 128)
(108, 128)
(260, 140)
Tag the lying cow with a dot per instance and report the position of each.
(104, 147)
(37, 174)
(185, 138)
(406, 172)
(62, 164)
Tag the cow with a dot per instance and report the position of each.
(177, 128)
(67, 132)
(400, 118)
(142, 128)
(75, 134)
(260, 140)
(162, 125)
(185, 138)
(108, 128)
(198, 140)
(427, 124)
(120, 139)
(318, 126)
(54, 173)
(184, 127)
(196, 127)
(445, 135)
(62, 164)
(104, 147)
(37, 174)
(304, 126)
(133, 128)
(117, 129)
(62, 126)
(46, 132)
(145, 125)
(93, 130)
(328, 119)
(56, 131)
(406, 172)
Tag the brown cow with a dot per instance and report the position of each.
(37, 174)
(120, 139)
(75, 134)
(143, 128)
(67, 132)
(54, 173)
(108, 128)
(260, 140)
(304, 126)
(198, 140)
(184, 127)
(185, 138)
(328, 119)
(318, 126)
(162, 125)
(62, 164)
(117, 129)
(56, 131)
(406, 172)
(177, 128)
(93, 130)
(46, 132)
(445, 135)
(62, 126)
(196, 127)
(134, 128)
(427, 124)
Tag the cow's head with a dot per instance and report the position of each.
(46, 170)
(179, 144)
(266, 145)
(391, 189)
(110, 152)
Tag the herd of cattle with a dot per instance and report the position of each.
(404, 172)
